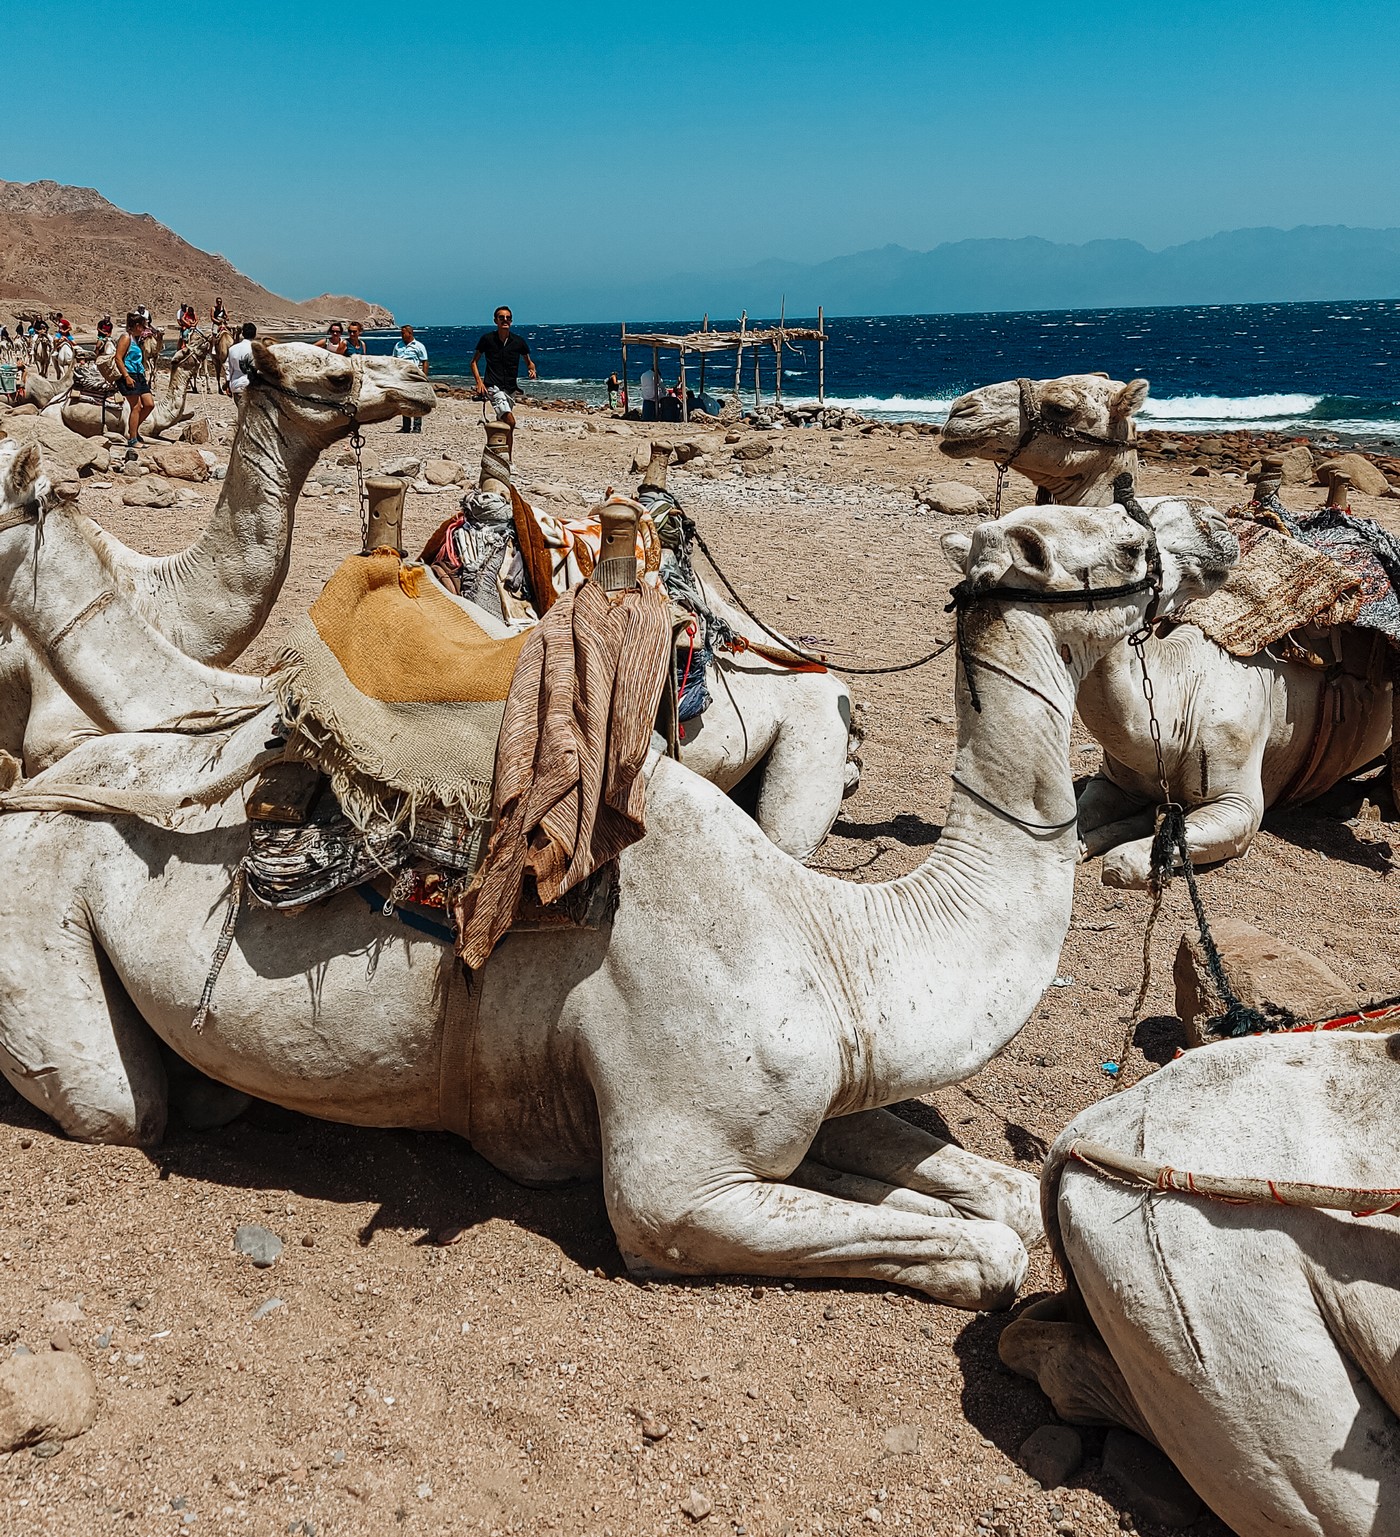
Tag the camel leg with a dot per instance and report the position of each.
(1109, 815)
(881, 1146)
(707, 1222)
(812, 1175)
(804, 777)
(1219, 829)
(71, 1041)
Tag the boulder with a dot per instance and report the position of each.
(404, 466)
(65, 455)
(1052, 1455)
(443, 472)
(149, 491)
(755, 448)
(1296, 463)
(368, 457)
(1363, 474)
(556, 491)
(48, 1397)
(197, 431)
(954, 498)
(1210, 445)
(180, 461)
(1150, 1484)
(1262, 970)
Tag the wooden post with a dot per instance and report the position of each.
(625, 390)
(704, 326)
(757, 353)
(821, 357)
(778, 375)
(685, 408)
(739, 356)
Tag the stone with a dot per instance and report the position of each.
(45, 1398)
(263, 1309)
(1149, 1481)
(1052, 1455)
(1296, 465)
(405, 466)
(696, 1505)
(1210, 445)
(1261, 969)
(197, 431)
(1363, 474)
(556, 491)
(755, 448)
(443, 472)
(1200, 469)
(654, 1429)
(955, 499)
(261, 1246)
(64, 455)
(368, 457)
(149, 491)
(180, 461)
(901, 1441)
(683, 453)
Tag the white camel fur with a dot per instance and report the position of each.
(1236, 733)
(1258, 1345)
(738, 1121)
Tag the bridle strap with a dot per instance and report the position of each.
(347, 408)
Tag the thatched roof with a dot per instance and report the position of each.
(723, 341)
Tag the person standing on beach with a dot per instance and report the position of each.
(240, 361)
(355, 342)
(333, 340)
(132, 380)
(407, 350)
(651, 394)
(503, 353)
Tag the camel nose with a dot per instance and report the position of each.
(962, 406)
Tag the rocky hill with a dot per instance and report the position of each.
(68, 248)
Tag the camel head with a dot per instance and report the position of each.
(22, 487)
(193, 353)
(1057, 432)
(316, 387)
(1050, 549)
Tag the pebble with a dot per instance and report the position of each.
(264, 1308)
(696, 1505)
(902, 1440)
(260, 1245)
(654, 1429)
(1052, 1455)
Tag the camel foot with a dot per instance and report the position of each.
(1072, 1366)
(1129, 867)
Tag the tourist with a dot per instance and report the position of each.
(333, 340)
(503, 352)
(240, 361)
(613, 388)
(409, 351)
(132, 380)
(65, 330)
(219, 314)
(651, 393)
(188, 321)
(355, 342)
(106, 355)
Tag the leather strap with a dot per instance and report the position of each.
(457, 1060)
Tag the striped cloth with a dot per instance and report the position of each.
(569, 793)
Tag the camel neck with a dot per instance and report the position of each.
(1089, 485)
(959, 952)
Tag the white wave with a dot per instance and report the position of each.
(907, 407)
(1227, 408)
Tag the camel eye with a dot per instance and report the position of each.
(341, 380)
(1060, 408)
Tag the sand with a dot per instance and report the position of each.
(452, 1353)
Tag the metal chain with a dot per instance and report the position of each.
(357, 444)
(1001, 480)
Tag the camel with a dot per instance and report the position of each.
(738, 1120)
(212, 598)
(1238, 734)
(90, 418)
(1259, 1344)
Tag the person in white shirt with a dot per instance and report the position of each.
(651, 393)
(240, 360)
(410, 351)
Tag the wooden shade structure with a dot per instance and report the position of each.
(704, 342)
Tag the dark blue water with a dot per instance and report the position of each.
(1313, 367)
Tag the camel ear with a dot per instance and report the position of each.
(957, 551)
(1029, 552)
(26, 468)
(265, 361)
(1129, 400)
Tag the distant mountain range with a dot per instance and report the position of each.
(1243, 266)
(68, 248)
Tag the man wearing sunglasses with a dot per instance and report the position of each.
(503, 351)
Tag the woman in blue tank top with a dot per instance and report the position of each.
(132, 380)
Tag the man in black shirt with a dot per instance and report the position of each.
(503, 353)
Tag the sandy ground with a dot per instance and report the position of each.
(452, 1353)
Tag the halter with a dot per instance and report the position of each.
(1036, 426)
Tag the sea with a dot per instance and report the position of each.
(1324, 370)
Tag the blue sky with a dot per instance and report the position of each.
(436, 155)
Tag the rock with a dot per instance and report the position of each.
(1210, 445)
(261, 1246)
(755, 448)
(1052, 1455)
(1261, 969)
(902, 1441)
(1149, 1481)
(64, 455)
(1363, 474)
(181, 461)
(556, 491)
(955, 499)
(696, 1505)
(149, 491)
(45, 1398)
(683, 453)
(732, 437)
(368, 457)
(654, 1429)
(197, 431)
(1200, 469)
(264, 1308)
(1296, 465)
(405, 466)
(102, 459)
(442, 472)
(218, 472)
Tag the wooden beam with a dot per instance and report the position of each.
(821, 356)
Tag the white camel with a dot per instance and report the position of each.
(212, 598)
(91, 417)
(1238, 735)
(737, 1121)
(1257, 1344)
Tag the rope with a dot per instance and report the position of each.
(221, 949)
(1235, 1190)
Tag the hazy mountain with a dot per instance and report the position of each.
(1241, 266)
